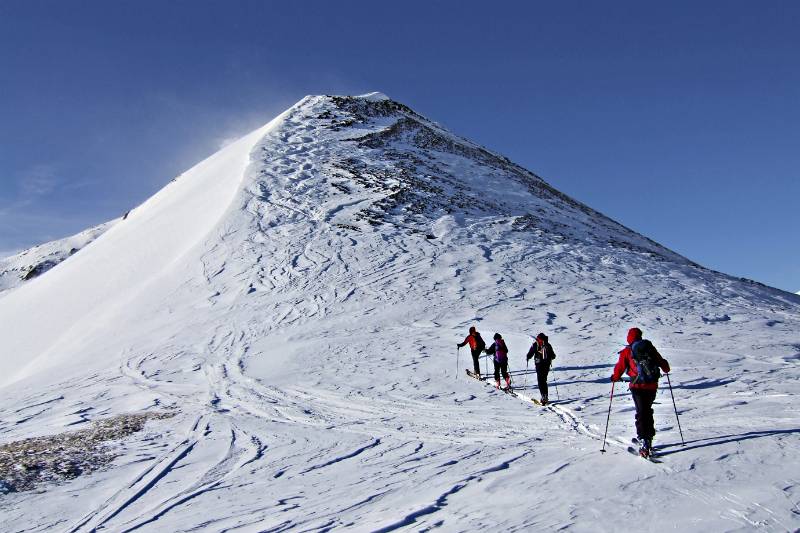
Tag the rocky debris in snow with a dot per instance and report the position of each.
(349, 227)
(402, 186)
(362, 109)
(27, 463)
(715, 319)
(415, 166)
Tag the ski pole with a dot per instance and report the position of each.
(556, 386)
(609, 415)
(525, 383)
(458, 351)
(683, 443)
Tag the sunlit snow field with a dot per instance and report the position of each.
(295, 301)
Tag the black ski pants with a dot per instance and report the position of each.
(643, 399)
(541, 377)
(476, 360)
(500, 367)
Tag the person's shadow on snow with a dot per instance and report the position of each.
(722, 439)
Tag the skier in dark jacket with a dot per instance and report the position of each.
(476, 346)
(543, 355)
(500, 352)
(643, 387)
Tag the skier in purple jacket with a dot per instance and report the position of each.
(500, 360)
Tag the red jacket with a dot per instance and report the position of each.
(628, 365)
(471, 340)
(474, 340)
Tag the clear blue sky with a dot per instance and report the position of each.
(679, 119)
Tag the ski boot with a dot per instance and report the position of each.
(508, 383)
(497, 384)
(544, 400)
(646, 448)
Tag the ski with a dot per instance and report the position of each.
(527, 398)
(635, 451)
(473, 375)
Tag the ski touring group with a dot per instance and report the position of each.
(639, 359)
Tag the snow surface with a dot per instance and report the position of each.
(14, 268)
(296, 298)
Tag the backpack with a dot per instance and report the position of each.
(547, 349)
(500, 347)
(479, 342)
(644, 355)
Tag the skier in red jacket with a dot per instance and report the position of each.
(476, 346)
(641, 361)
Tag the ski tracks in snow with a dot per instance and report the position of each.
(314, 376)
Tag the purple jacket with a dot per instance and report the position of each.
(498, 348)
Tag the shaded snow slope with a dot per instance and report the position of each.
(295, 300)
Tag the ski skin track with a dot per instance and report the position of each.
(139, 486)
(567, 418)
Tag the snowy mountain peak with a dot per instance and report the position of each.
(272, 334)
(402, 168)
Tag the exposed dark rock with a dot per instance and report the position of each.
(349, 227)
(403, 164)
(39, 269)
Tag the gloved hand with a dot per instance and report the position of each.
(612, 378)
(528, 357)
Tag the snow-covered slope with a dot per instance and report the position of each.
(294, 301)
(33, 262)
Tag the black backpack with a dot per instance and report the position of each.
(644, 355)
(480, 344)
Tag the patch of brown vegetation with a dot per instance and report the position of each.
(27, 463)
